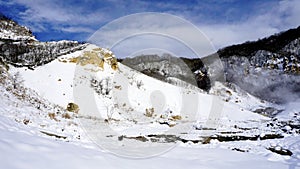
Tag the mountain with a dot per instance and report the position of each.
(268, 68)
(10, 30)
(61, 106)
(19, 47)
(280, 51)
(274, 44)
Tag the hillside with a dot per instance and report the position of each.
(168, 67)
(278, 56)
(10, 30)
(268, 68)
(280, 51)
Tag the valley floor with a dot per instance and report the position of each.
(21, 147)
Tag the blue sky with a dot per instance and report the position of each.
(224, 22)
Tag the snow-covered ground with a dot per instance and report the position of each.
(124, 98)
(21, 147)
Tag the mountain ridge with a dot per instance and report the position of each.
(271, 43)
(273, 61)
(19, 47)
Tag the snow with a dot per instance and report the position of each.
(26, 146)
(53, 81)
(12, 31)
(21, 148)
(4, 34)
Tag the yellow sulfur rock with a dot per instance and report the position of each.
(96, 57)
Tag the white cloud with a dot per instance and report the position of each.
(171, 33)
(39, 11)
(266, 20)
(261, 23)
(222, 35)
(290, 10)
(284, 15)
(59, 16)
(77, 29)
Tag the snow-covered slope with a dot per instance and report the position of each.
(31, 139)
(55, 82)
(130, 106)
